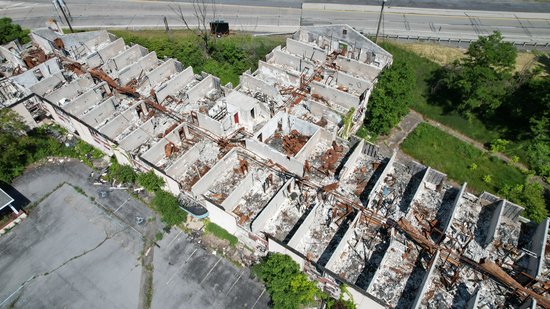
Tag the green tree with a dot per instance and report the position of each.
(150, 181)
(10, 32)
(530, 196)
(390, 98)
(288, 287)
(481, 81)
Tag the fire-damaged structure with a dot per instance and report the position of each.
(271, 161)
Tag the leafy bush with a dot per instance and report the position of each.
(122, 173)
(288, 287)
(529, 195)
(150, 181)
(221, 233)
(169, 208)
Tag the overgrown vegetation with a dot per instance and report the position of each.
(10, 31)
(482, 171)
(287, 285)
(226, 58)
(150, 181)
(220, 232)
(20, 149)
(501, 105)
(168, 206)
(391, 98)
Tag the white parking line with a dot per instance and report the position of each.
(211, 269)
(126, 201)
(258, 299)
(171, 241)
(231, 288)
(182, 264)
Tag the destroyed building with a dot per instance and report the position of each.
(272, 162)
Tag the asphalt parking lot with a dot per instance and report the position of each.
(187, 276)
(75, 251)
(70, 254)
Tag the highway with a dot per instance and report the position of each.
(287, 15)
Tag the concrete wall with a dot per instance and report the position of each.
(12, 57)
(88, 99)
(445, 226)
(336, 254)
(71, 90)
(139, 69)
(538, 246)
(240, 190)
(351, 163)
(421, 186)
(288, 60)
(290, 164)
(472, 303)
(271, 208)
(254, 84)
(104, 54)
(151, 127)
(180, 165)
(425, 282)
(283, 77)
(212, 175)
(358, 68)
(45, 44)
(307, 51)
(121, 122)
(200, 90)
(494, 223)
(48, 83)
(38, 73)
(96, 116)
(210, 124)
(309, 147)
(335, 96)
(435, 177)
(174, 85)
(380, 179)
(28, 119)
(156, 152)
(128, 57)
(274, 246)
(353, 83)
(163, 72)
(306, 225)
(220, 217)
(362, 301)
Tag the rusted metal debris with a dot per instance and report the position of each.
(243, 166)
(331, 187)
(169, 149)
(293, 142)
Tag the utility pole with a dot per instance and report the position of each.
(62, 9)
(379, 21)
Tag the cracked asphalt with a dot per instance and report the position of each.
(76, 251)
(69, 253)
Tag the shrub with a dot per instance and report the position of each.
(122, 173)
(288, 287)
(150, 181)
(169, 208)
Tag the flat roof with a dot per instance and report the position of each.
(5, 199)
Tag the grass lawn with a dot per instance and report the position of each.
(229, 56)
(454, 157)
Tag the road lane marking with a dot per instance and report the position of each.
(258, 299)
(171, 241)
(240, 275)
(211, 269)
